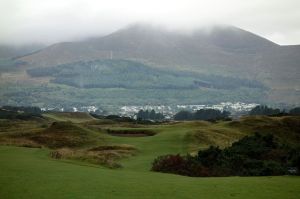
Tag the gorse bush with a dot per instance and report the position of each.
(256, 155)
(182, 165)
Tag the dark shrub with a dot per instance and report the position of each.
(182, 165)
(273, 168)
(256, 155)
(210, 157)
(169, 164)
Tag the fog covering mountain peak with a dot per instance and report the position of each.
(157, 45)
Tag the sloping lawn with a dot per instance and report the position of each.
(31, 173)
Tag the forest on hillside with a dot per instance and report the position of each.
(133, 75)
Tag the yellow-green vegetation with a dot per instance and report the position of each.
(78, 153)
(17, 132)
(284, 128)
(106, 155)
(65, 134)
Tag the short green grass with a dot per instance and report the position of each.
(30, 173)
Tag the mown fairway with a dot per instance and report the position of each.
(32, 173)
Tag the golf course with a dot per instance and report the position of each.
(77, 156)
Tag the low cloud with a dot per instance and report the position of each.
(51, 21)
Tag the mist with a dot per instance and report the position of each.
(51, 21)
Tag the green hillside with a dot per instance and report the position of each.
(59, 95)
(122, 82)
(135, 75)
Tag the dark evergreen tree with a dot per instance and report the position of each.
(152, 115)
(295, 111)
(264, 110)
(183, 115)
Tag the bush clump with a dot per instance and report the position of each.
(256, 155)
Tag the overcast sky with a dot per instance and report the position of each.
(50, 21)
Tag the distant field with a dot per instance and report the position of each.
(32, 173)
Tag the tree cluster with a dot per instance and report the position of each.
(24, 109)
(131, 75)
(295, 111)
(202, 114)
(23, 113)
(264, 110)
(149, 115)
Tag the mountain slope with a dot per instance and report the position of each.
(219, 50)
(7, 51)
(127, 74)
(220, 46)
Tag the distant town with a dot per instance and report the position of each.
(236, 109)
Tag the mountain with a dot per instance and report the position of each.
(221, 46)
(219, 50)
(9, 51)
(182, 67)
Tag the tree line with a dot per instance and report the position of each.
(19, 112)
(202, 114)
(265, 110)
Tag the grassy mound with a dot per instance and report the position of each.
(18, 132)
(106, 155)
(213, 137)
(203, 134)
(286, 129)
(63, 134)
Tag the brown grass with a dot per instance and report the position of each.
(107, 156)
(22, 142)
(285, 128)
(63, 134)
